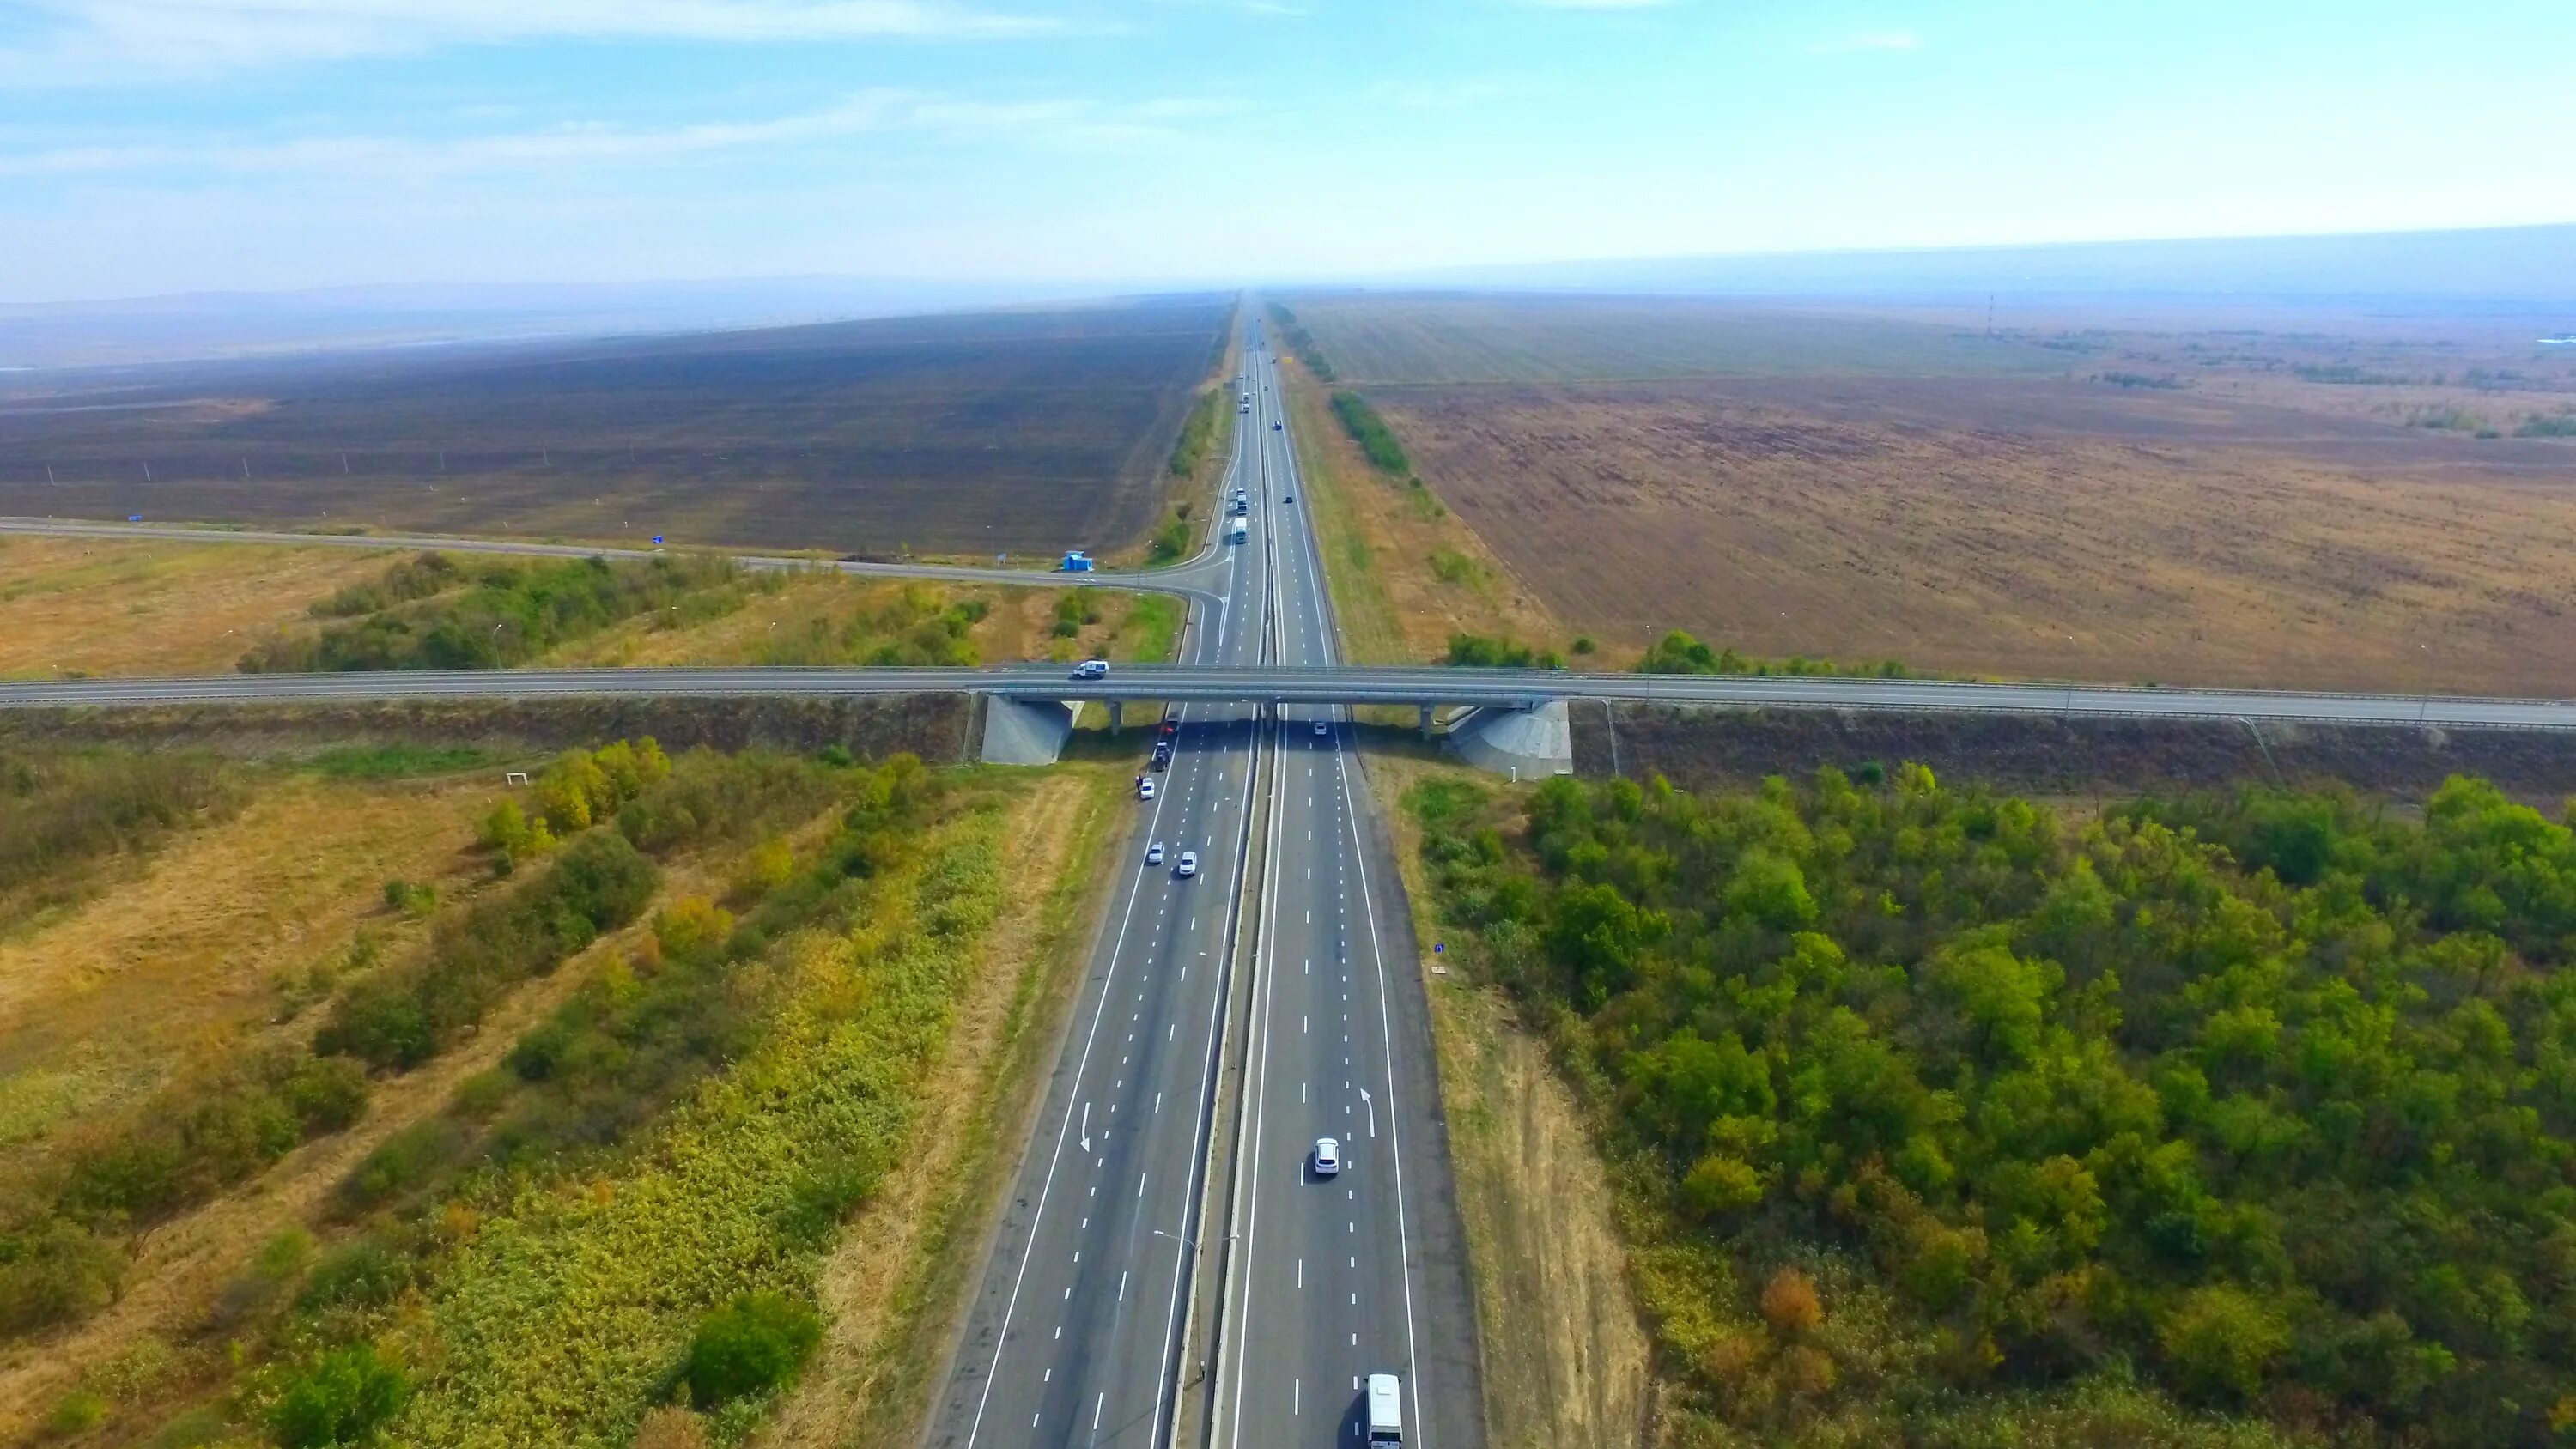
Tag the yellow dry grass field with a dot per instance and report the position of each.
(118, 606)
(101, 1002)
(1384, 544)
(2019, 527)
(1565, 1360)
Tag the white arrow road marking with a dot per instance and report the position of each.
(1372, 1110)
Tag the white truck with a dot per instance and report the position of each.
(1239, 531)
(1385, 1410)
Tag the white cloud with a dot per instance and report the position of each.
(1868, 40)
(81, 41)
(1066, 123)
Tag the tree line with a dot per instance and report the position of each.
(2267, 1099)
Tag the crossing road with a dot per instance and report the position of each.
(1229, 682)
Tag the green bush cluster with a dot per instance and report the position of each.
(617, 1053)
(711, 797)
(207, 1133)
(2270, 1096)
(917, 626)
(400, 1018)
(62, 809)
(1377, 441)
(1679, 653)
(752, 1345)
(418, 577)
(62, 1259)
(1074, 611)
(2554, 425)
(509, 613)
(346, 1397)
(1487, 651)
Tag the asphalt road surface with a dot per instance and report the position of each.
(1074, 1333)
(1195, 578)
(1216, 681)
(1333, 1279)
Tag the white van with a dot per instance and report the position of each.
(1385, 1410)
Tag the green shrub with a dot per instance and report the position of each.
(61, 810)
(204, 1133)
(54, 1270)
(345, 1398)
(1377, 441)
(359, 1274)
(509, 613)
(411, 898)
(398, 1019)
(77, 1412)
(751, 1345)
(1678, 653)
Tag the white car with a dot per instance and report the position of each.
(1144, 788)
(1154, 853)
(1092, 669)
(1328, 1157)
(1189, 865)
(1323, 727)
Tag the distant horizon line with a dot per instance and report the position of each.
(1059, 288)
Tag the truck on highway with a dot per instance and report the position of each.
(1240, 531)
(1075, 562)
(1385, 1410)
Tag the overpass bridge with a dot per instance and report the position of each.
(1508, 699)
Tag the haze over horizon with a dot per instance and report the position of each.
(154, 147)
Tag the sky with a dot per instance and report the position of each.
(159, 146)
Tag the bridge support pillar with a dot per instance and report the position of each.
(1117, 716)
(1026, 732)
(1526, 744)
(1426, 720)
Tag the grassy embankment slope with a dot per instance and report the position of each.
(845, 1057)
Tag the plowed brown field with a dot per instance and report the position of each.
(2021, 528)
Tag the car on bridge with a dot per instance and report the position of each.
(1092, 669)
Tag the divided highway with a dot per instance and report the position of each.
(1330, 1279)
(1074, 1330)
